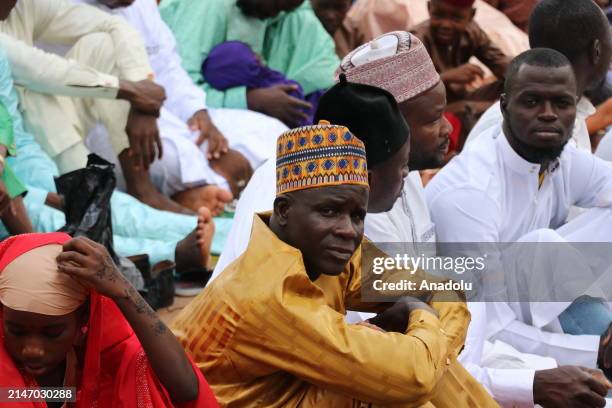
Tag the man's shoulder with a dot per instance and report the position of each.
(471, 170)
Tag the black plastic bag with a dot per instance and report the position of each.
(87, 193)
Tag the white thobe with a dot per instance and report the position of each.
(488, 193)
(184, 164)
(580, 135)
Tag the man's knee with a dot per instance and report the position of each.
(96, 50)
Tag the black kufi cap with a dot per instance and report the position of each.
(370, 113)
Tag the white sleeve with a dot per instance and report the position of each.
(566, 349)
(184, 98)
(511, 388)
(43, 72)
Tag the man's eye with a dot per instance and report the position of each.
(563, 104)
(531, 102)
(328, 212)
(359, 216)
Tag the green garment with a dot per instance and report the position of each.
(13, 185)
(294, 43)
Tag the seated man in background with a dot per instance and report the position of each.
(286, 34)
(202, 146)
(518, 181)
(331, 13)
(579, 30)
(271, 328)
(368, 19)
(452, 37)
(63, 98)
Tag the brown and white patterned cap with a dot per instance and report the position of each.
(397, 62)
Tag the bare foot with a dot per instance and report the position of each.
(235, 168)
(204, 232)
(193, 252)
(140, 186)
(212, 197)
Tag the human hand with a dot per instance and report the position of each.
(235, 168)
(395, 318)
(275, 101)
(463, 74)
(145, 96)
(91, 264)
(143, 135)
(217, 143)
(569, 387)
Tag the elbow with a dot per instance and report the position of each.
(187, 389)
(419, 388)
(423, 389)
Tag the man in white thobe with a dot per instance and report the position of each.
(521, 179)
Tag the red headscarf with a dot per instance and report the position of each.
(116, 372)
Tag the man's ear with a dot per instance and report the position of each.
(473, 13)
(282, 206)
(503, 102)
(595, 52)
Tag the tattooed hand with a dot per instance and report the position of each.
(91, 264)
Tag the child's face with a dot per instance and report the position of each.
(448, 22)
(37, 343)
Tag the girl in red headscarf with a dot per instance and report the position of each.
(70, 319)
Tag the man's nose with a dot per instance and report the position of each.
(547, 112)
(345, 228)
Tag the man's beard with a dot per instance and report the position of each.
(535, 154)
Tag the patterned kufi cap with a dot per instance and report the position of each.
(397, 62)
(318, 156)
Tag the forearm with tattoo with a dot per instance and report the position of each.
(165, 354)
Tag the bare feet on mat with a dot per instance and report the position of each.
(193, 252)
(212, 197)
